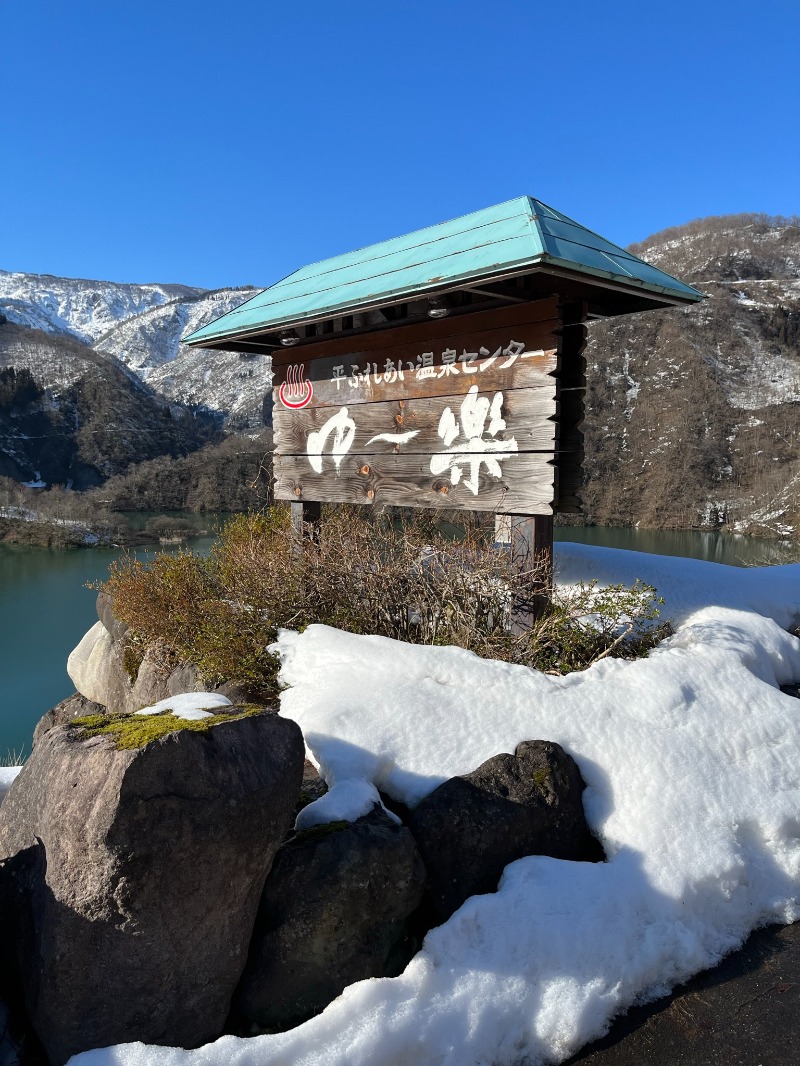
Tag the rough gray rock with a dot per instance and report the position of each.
(236, 691)
(470, 828)
(7, 775)
(75, 706)
(104, 670)
(137, 876)
(105, 612)
(101, 668)
(186, 678)
(335, 910)
(153, 679)
(313, 787)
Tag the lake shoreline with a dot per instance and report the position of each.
(26, 529)
(56, 536)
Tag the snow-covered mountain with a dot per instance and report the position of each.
(238, 386)
(693, 415)
(81, 309)
(141, 326)
(225, 382)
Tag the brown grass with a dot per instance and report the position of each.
(413, 580)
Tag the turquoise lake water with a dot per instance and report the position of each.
(45, 608)
(44, 611)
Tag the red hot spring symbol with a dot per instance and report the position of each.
(295, 392)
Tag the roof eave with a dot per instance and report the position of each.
(543, 261)
(624, 282)
(384, 299)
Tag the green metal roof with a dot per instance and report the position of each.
(490, 243)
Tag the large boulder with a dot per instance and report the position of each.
(158, 677)
(470, 828)
(109, 671)
(137, 874)
(98, 671)
(335, 910)
(109, 668)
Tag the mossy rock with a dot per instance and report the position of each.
(315, 833)
(113, 847)
(132, 731)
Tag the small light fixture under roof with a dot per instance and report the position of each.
(438, 307)
(288, 338)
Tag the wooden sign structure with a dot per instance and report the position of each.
(455, 413)
(443, 368)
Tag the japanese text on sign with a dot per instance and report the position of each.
(423, 367)
(470, 440)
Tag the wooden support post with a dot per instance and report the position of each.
(306, 517)
(529, 538)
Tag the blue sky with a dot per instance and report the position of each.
(225, 144)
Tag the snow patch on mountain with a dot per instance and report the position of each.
(140, 327)
(81, 308)
(148, 340)
(239, 387)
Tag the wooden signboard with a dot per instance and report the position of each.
(457, 413)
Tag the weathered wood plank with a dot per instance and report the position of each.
(357, 380)
(433, 330)
(525, 482)
(421, 426)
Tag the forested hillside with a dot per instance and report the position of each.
(71, 416)
(233, 475)
(693, 416)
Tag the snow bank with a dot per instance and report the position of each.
(190, 706)
(692, 762)
(343, 802)
(688, 584)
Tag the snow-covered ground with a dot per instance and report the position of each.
(692, 764)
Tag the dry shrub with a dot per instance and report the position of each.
(413, 579)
